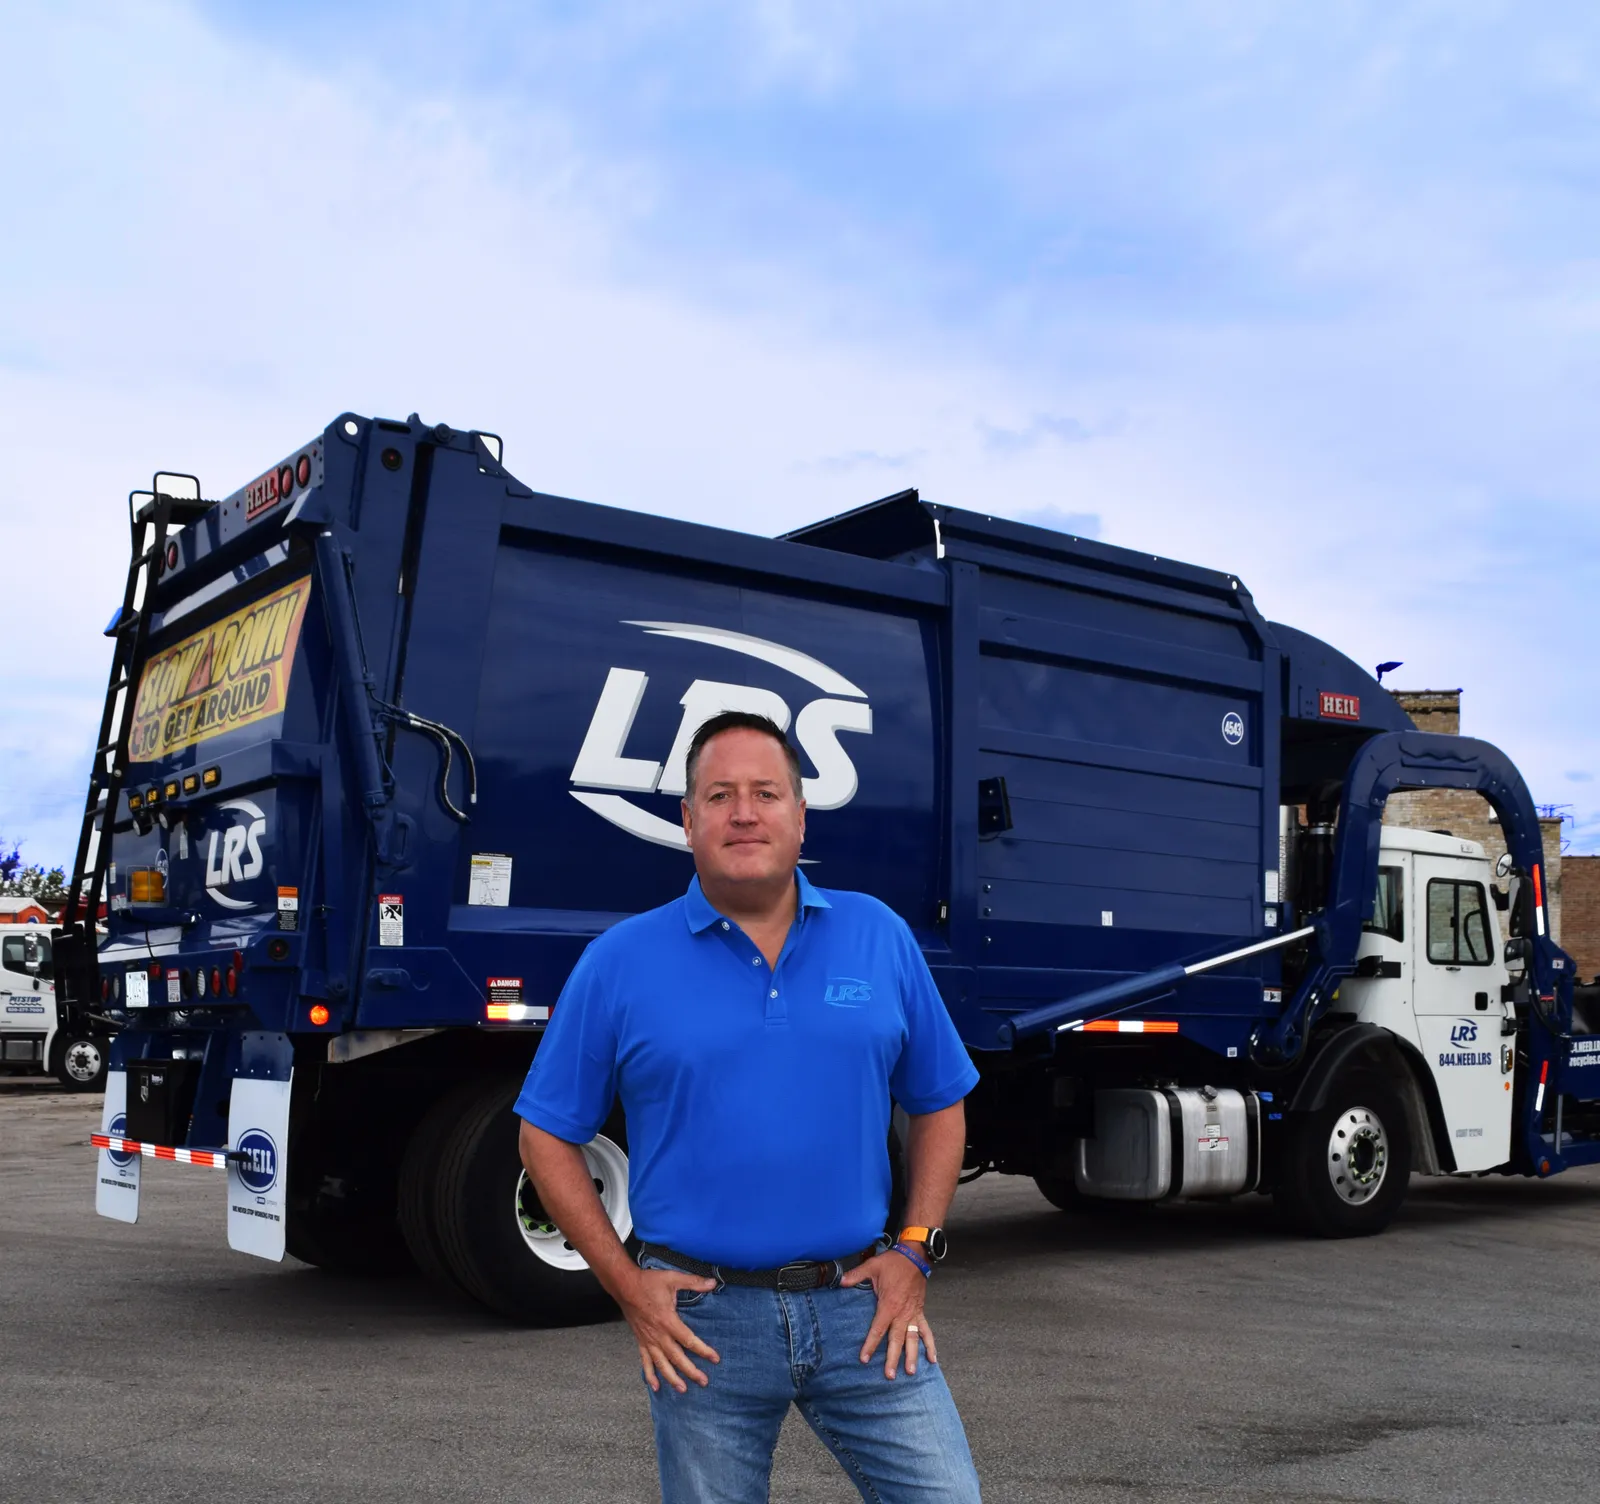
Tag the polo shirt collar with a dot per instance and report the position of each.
(701, 916)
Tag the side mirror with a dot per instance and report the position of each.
(1518, 948)
(1505, 866)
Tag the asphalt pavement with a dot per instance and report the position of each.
(1178, 1353)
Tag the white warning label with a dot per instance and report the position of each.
(490, 883)
(391, 919)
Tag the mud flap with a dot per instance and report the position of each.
(116, 1187)
(258, 1131)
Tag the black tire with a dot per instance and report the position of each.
(419, 1181)
(487, 1218)
(1347, 1166)
(78, 1061)
(1061, 1191)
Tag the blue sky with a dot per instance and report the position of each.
(1307, 293)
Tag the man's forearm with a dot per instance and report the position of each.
(567, 1193)
(935, 1147)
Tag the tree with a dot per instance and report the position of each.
(23, 880)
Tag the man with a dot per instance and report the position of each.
(755, 1030)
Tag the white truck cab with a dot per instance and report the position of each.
(1431, 970)
(30, 1036)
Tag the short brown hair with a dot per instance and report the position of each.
(739, 720)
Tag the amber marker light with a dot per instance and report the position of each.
(319, 1014)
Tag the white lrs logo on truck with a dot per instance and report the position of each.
(234, 855)
(602, 765)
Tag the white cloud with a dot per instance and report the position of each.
(1353, 384)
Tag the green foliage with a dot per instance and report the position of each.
(20, 880)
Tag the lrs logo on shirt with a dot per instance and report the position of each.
(847, 992)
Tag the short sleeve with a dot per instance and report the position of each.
(934, 1070)
(573, 1079)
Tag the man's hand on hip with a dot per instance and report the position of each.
(649, 1301)
(900, 1288)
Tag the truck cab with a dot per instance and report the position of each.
(1431, 970)
(31, 1038)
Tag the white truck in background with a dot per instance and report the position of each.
(31, 1037)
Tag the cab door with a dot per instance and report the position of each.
(1459, 973)
(27, 1008)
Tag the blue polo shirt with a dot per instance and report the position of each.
(757, 1098)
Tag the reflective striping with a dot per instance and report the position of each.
(517, 1013)
(1538, 898)
(1538, 1101)
(211, 1159)
(1130, 1026)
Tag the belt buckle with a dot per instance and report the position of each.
(797, 1276)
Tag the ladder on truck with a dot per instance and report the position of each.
(172, 501)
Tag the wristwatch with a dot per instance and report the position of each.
(931, 1238)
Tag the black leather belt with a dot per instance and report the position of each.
(804, 1274)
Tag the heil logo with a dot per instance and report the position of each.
(258, 1170)
(602, 765)
(118, 1128)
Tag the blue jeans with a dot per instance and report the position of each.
(900, 1440)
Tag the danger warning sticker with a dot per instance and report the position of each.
(391, 919)
(505, 989)
(233, 673)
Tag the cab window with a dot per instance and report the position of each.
(18, 950)
(1389, 905)
(1458, 924)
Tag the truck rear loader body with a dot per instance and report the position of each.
(390, 737)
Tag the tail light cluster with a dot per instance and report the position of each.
(197, 983)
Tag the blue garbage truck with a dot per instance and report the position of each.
(390, 736)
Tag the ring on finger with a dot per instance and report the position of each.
(912, 1327)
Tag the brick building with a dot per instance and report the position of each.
(1580, 877)
(1464, 814)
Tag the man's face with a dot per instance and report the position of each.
(744, 823)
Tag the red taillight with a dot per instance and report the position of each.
(302, 470)
(319, 1014)
(232, 980)
(105, 989)
(216, 981)
(238, 960)
(155, 972)
(172, 556)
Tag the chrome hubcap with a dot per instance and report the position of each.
(82, 1061)
(1358, 1155)
(608, 1166)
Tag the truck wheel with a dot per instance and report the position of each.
(1347, 1166)
(1062, 1192)
(419, 1180)
(498, 1242)
(79, 1062)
